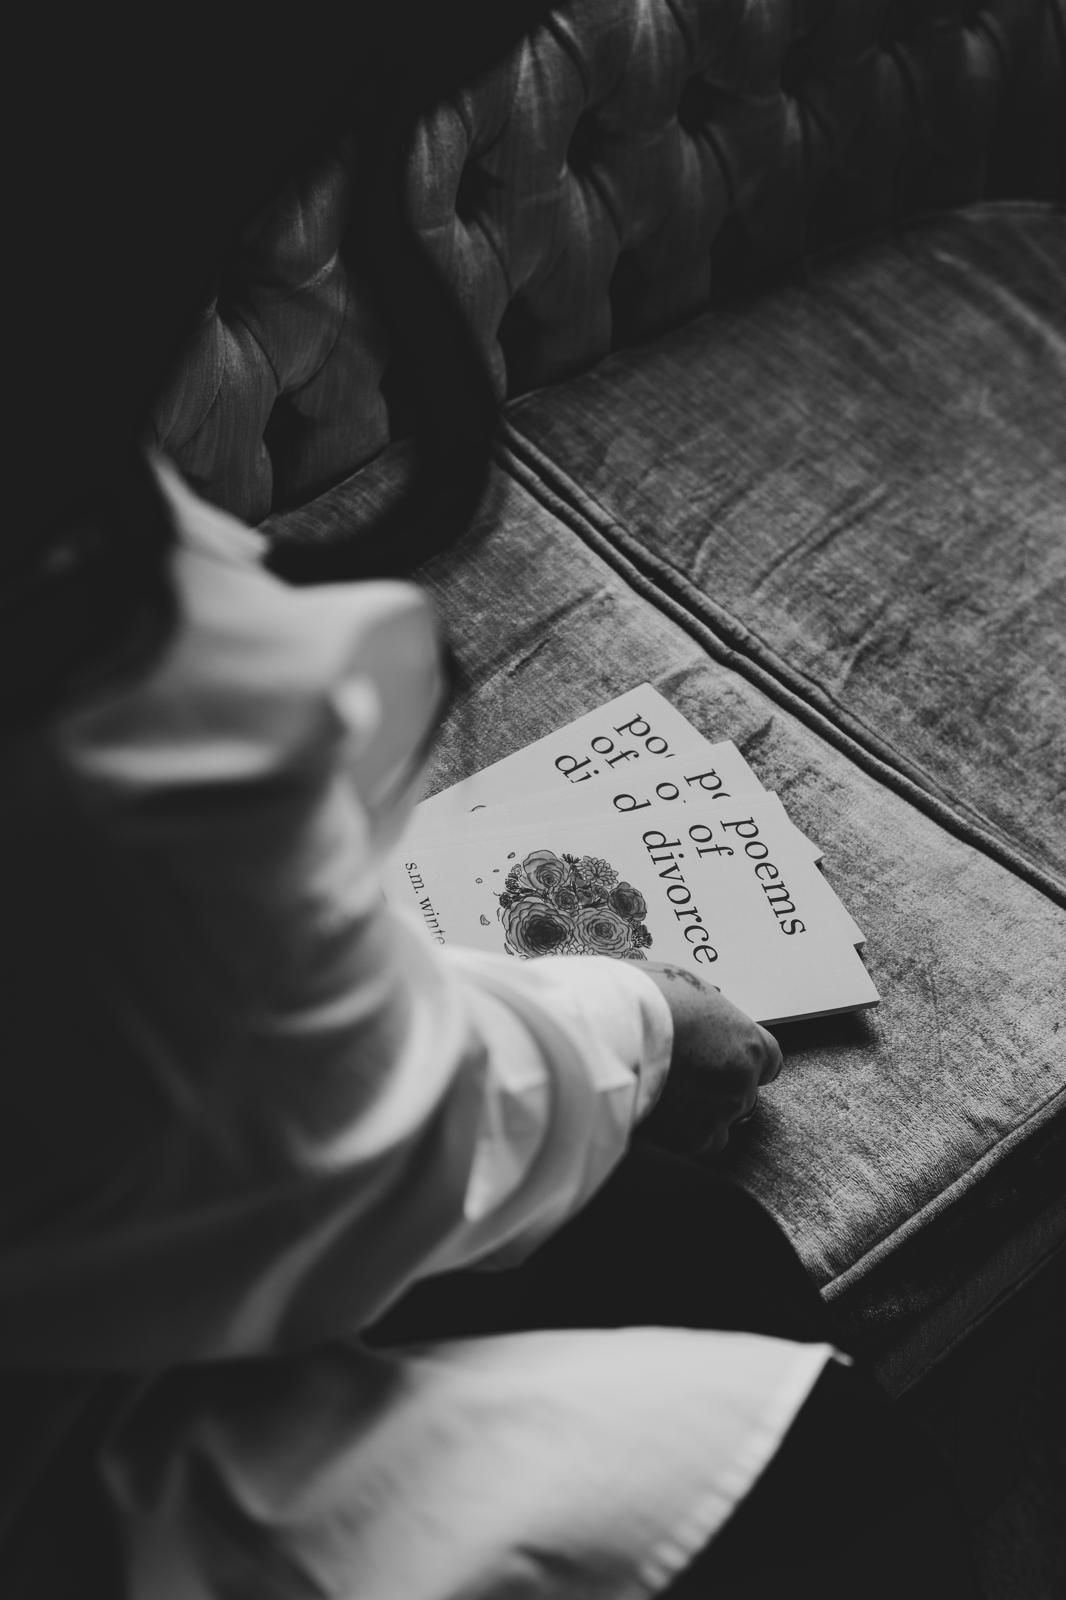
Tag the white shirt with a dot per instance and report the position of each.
(292, 1105)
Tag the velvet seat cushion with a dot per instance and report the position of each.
(858, 481)
(914, 1152)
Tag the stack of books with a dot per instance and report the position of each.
(629, 834)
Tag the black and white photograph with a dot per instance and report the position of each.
(533, 735)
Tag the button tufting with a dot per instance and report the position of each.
(798, 66)
(516, 333)
(696, 107)
(586, 142)
(895, 25)
(472, 194)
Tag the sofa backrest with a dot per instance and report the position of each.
(628, 163)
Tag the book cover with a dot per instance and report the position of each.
(723, 890)
(619, 743)
(688, 777)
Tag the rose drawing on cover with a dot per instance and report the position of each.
(554, 905)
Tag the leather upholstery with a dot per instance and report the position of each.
(629, 162)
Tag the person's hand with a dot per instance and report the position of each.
(720, 1057)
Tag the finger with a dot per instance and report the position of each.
(715, 1145)
(773, 1060)
(746, 1109)
(730, 1117)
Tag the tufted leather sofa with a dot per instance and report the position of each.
(776, 293)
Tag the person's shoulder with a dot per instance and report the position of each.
(259, 678)
(201, 526)
(222, 580)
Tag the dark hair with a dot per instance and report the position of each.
(96, 602)
(134, 197)
(441, 373)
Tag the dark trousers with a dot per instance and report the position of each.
(853, 1504)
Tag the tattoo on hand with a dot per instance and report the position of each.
(689, 977)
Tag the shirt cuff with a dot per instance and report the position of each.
(640, 1034)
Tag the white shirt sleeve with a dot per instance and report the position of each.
(338, 1107)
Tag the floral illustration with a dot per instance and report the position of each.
(570, 905)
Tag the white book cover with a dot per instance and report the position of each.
(618, 743)
(715, 771)
(721, 890)
(426, 832)
(625, 756)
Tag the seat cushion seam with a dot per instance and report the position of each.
(804, 684)
(729, 641)
(888, 1243)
